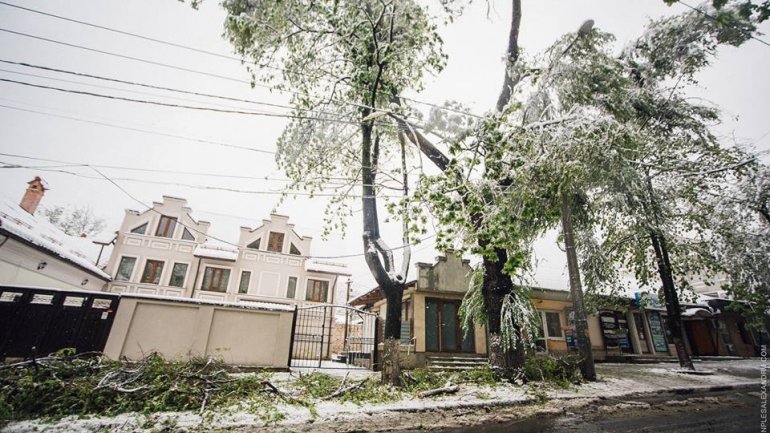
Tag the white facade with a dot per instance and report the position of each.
(35, 253)
(155, 256)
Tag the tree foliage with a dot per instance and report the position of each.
(75, 220)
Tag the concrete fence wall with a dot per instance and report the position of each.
(180, 329)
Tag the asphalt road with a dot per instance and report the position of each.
(722, 412)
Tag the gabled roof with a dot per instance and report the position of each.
(44, 236)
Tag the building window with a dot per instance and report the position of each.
(152, 271)
(243, 287)
(294, 250)
(275, 242)
(187, 236)
(178, 273)
(215, 279)
(142, 229)
(552, 324)
(255, 245)
(125, 268)
(166, 227)
(317, 290)
(291, 290)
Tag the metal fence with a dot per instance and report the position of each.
(36, 322)
(330, 336)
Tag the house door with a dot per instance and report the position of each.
(443, 332)
(701, 340)
(639, 324)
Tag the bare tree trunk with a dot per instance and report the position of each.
(576, 292)
(379, 257)
(674, 310)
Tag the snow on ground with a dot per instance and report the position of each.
(615, 381)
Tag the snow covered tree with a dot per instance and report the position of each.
(74, 221)
(344, 62)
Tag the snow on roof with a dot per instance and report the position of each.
(326, 266)
(216, 250)
(41, 233)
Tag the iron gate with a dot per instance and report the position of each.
(331, 336)
(40, 321)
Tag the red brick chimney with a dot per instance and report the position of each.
(35, 192)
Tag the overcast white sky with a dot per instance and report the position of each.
(737, 82)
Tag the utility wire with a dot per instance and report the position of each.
(71, 164)
(58, 169)
(210, 53)
(145, 131)
(706, 14)
(230, 243)
(185, 106)
(208, 74)
(156, 87)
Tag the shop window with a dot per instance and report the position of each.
(215, 279)
(294, 250)
(166, 227)
(243, 287)
(275, 242)
(178, 273)
(140, 230)
(152, 271)
(125, 268)
(186, 235)
(317, 290)
(291, 289)
(255, 245)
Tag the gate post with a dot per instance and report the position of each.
(291, 339)
(323, 333)
(375, 351)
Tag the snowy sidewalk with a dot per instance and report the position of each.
(615, 381)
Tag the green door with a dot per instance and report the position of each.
(443, 332)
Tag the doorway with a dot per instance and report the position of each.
(443, 331)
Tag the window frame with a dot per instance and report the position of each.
(293, 250)
(133, 268)
(184, 277)
(248, 282)
(309, 291)
(544, 325)
(185, 232)
(270, 241)
(159, 274)
(296, 284)
(165, 234)
(216, 268)
(144, 228)
(257, 241)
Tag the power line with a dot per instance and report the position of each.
(145, 131)
(71, 164)
(208, 74)
(153, 86)
(706, 14)
(58, 169)
(230, 243)
(210, 53)
(166, 104)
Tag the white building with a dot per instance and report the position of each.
(164, 251)
(33, 252)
